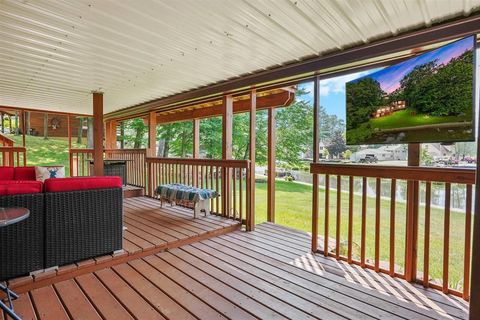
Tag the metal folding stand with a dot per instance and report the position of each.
(10, 296)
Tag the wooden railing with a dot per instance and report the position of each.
(13, 156)
(229, 177)
(135, 159)
(6, 141)
(136, 166)
(358, 220)
(80, 162)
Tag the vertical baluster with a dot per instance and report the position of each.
(468, 238)
(378, 186)
(446, 237)
(393, 193)
(184, 171)
(339, 217)
(327, 208)
(426, 253)
(201, 177)
(364, 221)
(350, 218)
(241, 194)
(82, 161)
(211, 186)
(234, 193)
(217, 200)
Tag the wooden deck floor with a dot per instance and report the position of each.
(149, 229)
(267, 274)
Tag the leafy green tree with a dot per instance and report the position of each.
(419, 87)
(363, 98)
(135, 133)
(211, 137)
(294, 131)
(176, 139)
(336, 145)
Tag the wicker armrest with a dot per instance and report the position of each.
(82, 224)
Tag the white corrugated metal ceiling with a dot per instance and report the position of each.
(54, 53)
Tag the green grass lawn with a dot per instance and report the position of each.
(294, 207)
(53, 151)
(403, 118)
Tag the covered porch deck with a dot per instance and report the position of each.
(269, 273)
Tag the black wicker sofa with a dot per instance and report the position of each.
(71, 219)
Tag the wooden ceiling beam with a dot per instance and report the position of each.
(282, 99)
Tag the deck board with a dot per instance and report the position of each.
(269, 274)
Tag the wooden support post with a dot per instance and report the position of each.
(17, 123)
(152, 134)
(196, 149)
(196, 139)
(227, 126)
(98, 133)
(69, 129)
(122, 135)
(412, 216)
(316, 141)
(1, 119)
(111, 134)
(475, 259)
(251, 179)
(45, 126)
(24, 124)
(271, 168)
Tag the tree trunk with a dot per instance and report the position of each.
(184, 138)
(3, 125)
(17, 128)
(80, 131)
(138, 139)
(161, 145)
(90, 133)
(45, 126)
(10, 123)
(166, 148)
(27, 122)
(245, 154)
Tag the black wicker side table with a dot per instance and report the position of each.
(9, 216)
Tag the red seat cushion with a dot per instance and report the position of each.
(12, 187)
(82, 183)
(25, 173)
(7, 173)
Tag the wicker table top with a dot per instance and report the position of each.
(12, 215)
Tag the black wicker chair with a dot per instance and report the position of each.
(22, 243)
(82, 224)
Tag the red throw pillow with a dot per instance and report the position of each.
(7, 173)
(25, 173)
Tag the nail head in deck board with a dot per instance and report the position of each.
(47, 304)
